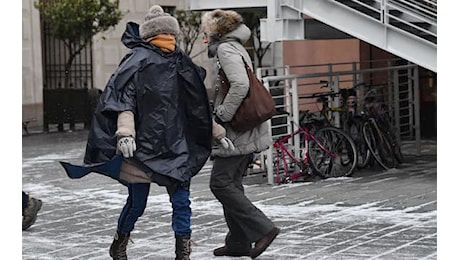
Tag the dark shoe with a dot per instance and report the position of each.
(183, 247)
(223, 251)
(118, 247)
(264, 242)
(29, 214)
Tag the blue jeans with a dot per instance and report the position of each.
(137, 201)
(181, 211)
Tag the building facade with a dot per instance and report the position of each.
(320, 44)
(107, 51)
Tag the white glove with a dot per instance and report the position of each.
(227, 143)
(127, 146)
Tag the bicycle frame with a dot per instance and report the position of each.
(382, 139)
(325, 112)
(282, 151)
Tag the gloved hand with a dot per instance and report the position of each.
(227, 143)
(127, 146)
(219, 132)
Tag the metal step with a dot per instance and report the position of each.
(389, 25)
(368, 7)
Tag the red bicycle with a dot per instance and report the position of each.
(325, 152)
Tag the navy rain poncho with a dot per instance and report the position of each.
(173, 121)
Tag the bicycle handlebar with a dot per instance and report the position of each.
(325, 82)
(371, 91)
(316, 95)
(305, 115)
(359, 85)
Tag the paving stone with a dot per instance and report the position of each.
(374, 214)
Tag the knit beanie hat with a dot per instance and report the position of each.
(157, 22)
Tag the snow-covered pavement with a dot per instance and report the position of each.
(372, 215)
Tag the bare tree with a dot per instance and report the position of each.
(252, 19)
(190, 23)
(75, 22)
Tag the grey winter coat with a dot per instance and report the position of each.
(229, 52)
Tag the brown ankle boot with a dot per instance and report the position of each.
(183, 247)
(118, 247)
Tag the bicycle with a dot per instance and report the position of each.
(326, 111)
(353, 124)
(384, 121)
(328, 152)
(371, 136)
(375, 136)
(377, 142)
(349, 122)
(371, 129)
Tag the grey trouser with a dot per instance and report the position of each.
(246, 223)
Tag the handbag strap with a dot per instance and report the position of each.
(242, 57)
(248, 69)
(223, 77)
(244, 61)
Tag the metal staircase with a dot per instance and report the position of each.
(406, 28)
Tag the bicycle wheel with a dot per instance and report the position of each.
(390, 131)
(395, 146)
(378, 145)
(331, 153)
(282, 166)
(355, 128)
(397, 151)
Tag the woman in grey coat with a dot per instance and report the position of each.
(225, 34)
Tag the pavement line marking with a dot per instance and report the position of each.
(402, 246)
(381, 180)
(429, 256)
(372, 240)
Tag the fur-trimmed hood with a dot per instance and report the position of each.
(219, 23)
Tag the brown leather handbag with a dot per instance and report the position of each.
(257, 107)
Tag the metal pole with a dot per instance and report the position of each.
(396, 111)
(335, 88)
(269, 152)
(418, 138)
(263, 154)
(295, 117)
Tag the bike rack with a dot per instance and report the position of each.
(289, 100)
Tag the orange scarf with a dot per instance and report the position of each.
(165, 43)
